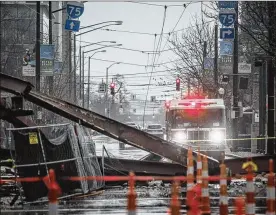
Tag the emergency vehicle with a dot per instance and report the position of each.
(198, 123)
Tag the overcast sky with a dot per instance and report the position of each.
(137, 18)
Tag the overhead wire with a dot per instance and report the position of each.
(160, 39)
(180, 17)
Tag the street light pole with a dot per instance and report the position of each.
(106, 89)
(88, 93)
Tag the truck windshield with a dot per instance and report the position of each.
(189, 118)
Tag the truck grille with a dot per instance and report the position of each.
(198, 135)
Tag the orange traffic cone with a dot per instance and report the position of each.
(270, 202)
(223, 201)
(131, 201)
(205, 190)
(175, 204)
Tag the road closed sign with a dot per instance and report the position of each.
(244, 68)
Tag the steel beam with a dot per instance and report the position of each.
(14, 85)
(104, 125)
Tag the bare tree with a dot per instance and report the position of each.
(189, 47)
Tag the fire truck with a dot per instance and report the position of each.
(197, 123)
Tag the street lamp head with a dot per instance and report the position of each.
(119, 45)
(103, 51)
(112, 41)
(119, 22)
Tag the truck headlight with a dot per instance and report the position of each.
(216, 136)
(179, 136)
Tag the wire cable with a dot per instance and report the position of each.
(160, 38)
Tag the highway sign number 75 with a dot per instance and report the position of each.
(227, 19)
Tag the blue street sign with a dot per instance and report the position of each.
(227, 4)
(226, 48)
(209, 63)
(47, 51)
(74, 9)
(227, 33)
(72, 25)
(227, 19)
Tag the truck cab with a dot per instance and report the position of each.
(198, 123)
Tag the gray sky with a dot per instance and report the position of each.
(138, 18)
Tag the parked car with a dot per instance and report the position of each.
(155, 129)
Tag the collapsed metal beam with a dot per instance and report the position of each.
(14, 85)
(144, 167)
(104, 125)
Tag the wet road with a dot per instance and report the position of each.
(151, 199)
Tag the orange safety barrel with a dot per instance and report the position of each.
(131, 200)
(205, 199)
(223, 200)
(270, 201)
(190, 177)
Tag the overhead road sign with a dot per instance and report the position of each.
(227, 4)
(227, 33)
(227, 18)
(72, 25)
(226, 48)
(75, 9)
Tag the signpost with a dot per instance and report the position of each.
(209, 63)
(227, 18)
(72, 25)
(244, 68)
(227, 33)
(226, 48)
(74, 11)
(227, 4)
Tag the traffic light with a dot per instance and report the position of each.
(167, 104)
(178, 84)
(112, 88)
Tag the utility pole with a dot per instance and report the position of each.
(37, 50)
(235, 128)
(216, 59)
(50, 78)
(37, 58)
(70, 64)
(271, 147)
(80, 85)
(88, 93)
(262, 103)
(82, 79)
(106, 93)
(75, 71)
(204, 56)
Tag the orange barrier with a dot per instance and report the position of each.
(250, 191)
(199, 168)
(239, 204)
(54, 192)
(270, 191)
(131, 200)
(223, 201)
(175, 203)
(190, 177)
(205, 200)
(195, 192)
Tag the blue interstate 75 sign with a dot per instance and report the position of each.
(75, 9)
(227, 4)
(227, 33)
(227, 18)
(72, 25)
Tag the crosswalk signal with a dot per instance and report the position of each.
(178, 84)
(112, 88)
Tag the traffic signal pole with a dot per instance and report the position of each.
(235, 128)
